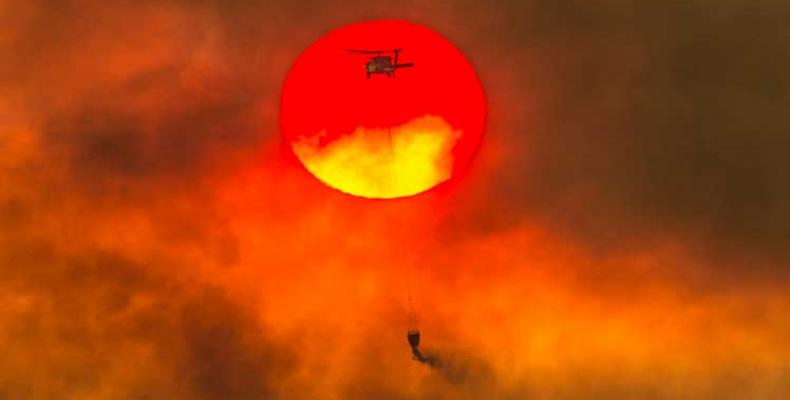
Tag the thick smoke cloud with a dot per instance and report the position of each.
(622, 234)
(98, 325)
(636, 118)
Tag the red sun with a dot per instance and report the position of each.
(382, 136)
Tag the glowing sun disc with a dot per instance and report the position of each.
(379, 136)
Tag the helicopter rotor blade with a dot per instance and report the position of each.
(367, 51)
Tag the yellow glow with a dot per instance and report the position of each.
(382, 163)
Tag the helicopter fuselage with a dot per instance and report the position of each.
(383, 65)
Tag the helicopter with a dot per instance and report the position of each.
(380, 63)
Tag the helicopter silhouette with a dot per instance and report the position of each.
(380, 63)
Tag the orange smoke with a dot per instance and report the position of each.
(383, 163)
(156, 243)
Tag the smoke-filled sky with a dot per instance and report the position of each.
(624, 232)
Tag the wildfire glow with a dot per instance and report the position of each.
(383, 163)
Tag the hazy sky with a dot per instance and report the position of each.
(623, 233)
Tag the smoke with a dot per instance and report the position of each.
(634, 124)
(97, 324)
(622, 233)
(373, 163)
(458, 369)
